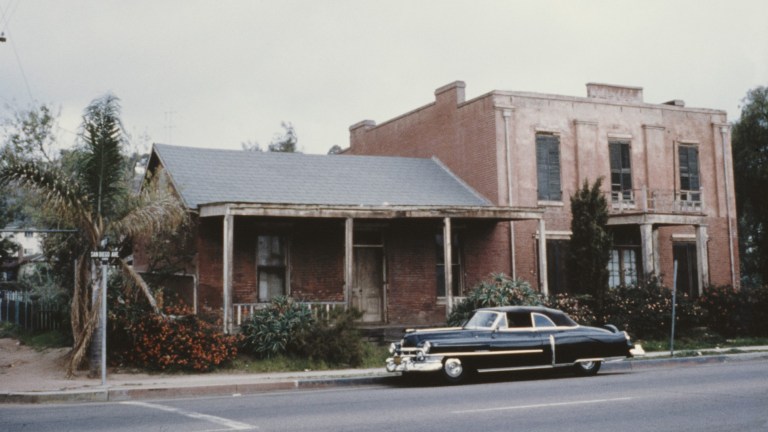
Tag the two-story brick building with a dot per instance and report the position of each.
(667, 176)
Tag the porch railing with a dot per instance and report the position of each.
(319, 310)
(655, 201)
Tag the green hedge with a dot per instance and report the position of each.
(286, 327)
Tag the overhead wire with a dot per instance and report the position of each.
(6, 17)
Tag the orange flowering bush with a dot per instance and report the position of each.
(177, 340)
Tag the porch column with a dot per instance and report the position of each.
(702, 256)
(543, 285)
(229, 223)
(348, 260)
(647, 249)
(448, 267)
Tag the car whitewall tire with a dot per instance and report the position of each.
(587, 368)
(453, 371)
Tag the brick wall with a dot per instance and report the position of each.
(469, 136)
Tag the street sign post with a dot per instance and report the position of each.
(104, 256)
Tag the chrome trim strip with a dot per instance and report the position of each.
(510, 369)
(480, 353)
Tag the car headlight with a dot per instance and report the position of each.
(427, 346)
(392, 348)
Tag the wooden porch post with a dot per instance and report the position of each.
(702, 256)
(348, 260)
(229, 222)
(647, 249)
(544, 286)
(448, 267)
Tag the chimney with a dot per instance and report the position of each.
(451, 93)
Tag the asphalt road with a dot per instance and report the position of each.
(712, 397)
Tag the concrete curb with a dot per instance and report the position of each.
(125, 393)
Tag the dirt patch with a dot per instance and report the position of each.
(25, 369)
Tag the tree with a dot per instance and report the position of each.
(285, 143)
(90, 192)
(750, 163)
(252, 146)
(590, 248)
(29, 134)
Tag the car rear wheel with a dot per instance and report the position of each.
(587, 368)
(454, 371)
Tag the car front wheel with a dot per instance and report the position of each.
(587, 368)
(454, 371)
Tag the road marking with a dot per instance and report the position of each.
(229, 424)
(547, 405)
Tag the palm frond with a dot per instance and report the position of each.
(101, 166)
(60, 193)
(157, 209)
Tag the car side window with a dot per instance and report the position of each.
(518, 320)
(540, 320)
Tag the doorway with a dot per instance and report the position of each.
(368, 276)
(687, 269)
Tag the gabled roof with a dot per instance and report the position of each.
(213, 176)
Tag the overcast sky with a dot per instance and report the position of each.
(219, 73)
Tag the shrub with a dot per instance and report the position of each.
(727, 311)
(578, 307)
(178, 341)
(276, 328)
(288, 328)
(335, 341)
(645, 310)
(757, 299)
(499, 291)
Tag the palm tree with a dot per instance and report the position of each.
(97, 201)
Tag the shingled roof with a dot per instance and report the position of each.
(210, 176)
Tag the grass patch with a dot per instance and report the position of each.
(373, 357)
(39, 340)
(687, 345)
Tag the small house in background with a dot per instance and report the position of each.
(667, 168)
(398, 238)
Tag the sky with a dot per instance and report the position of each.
(220, 73)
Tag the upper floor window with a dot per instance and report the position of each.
(690, 186)
(271, 264)
(621, 171)
(548, 167)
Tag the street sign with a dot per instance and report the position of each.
(105, 254)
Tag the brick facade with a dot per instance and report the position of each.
(490, 142)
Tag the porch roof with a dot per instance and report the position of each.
(290, 184)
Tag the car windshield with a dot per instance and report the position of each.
(482, 320)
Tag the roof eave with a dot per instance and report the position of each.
(369, 212)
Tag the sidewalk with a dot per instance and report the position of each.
(123, 386)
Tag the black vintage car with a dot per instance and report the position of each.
(510, 338)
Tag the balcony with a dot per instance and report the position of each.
(655, 201)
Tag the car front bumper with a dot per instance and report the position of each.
(409, 363)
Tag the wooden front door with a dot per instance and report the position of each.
(368, 283)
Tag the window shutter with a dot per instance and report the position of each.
(542, 167)
(548, 167)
